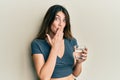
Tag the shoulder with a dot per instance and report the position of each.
(39, 46)
(72, 41)
(37, 41)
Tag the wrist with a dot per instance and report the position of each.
(55, 49)
(78, 62)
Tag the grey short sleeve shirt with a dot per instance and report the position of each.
(64, 65)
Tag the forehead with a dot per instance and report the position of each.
(60, 14)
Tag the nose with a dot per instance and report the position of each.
(60, 23)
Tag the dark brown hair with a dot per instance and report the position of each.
(48, 20)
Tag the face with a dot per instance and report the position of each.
(59, 22)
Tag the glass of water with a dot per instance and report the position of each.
(79, 50)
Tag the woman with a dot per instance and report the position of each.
(53, 49)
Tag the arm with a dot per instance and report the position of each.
(77, 69)
(78, 63)
(45, 70)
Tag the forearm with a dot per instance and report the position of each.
(77, 69)
(48, 68)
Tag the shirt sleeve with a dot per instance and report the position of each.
(74, 42)
(35, 48)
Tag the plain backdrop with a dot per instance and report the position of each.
(95, 23)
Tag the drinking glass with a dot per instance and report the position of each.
(79, 50)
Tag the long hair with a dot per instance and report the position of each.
(48, 20)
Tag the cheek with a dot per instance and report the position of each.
(53, 28)
(64, 24)
(55, 25)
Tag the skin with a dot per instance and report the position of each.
(55, 39)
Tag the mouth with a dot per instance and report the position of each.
(57, 29)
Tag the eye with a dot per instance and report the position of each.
(56, 18)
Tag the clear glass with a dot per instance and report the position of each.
(78, 51)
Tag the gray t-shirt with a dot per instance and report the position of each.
(64, 65)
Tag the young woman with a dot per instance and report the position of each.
(53, 49)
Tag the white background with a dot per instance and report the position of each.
(95, 23)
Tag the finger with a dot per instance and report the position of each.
(61, 29)
(57, 32)
(84, 55)
(84, 51)
(83, 58)
(61, 35)
(49, 39)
